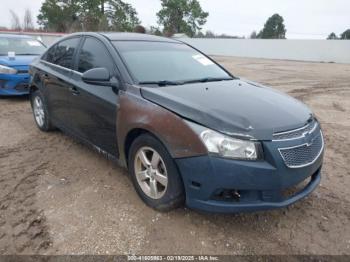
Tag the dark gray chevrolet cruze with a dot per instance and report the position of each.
(186, 129)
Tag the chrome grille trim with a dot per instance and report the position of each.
(295, 133)
(313, 160)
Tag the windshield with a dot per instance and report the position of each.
(167, 63)
(20, 46)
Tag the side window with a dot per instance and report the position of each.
(62, 53)
(94, 54)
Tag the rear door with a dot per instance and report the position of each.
(93, 108)
(57, 78)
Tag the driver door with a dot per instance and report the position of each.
(93, 108)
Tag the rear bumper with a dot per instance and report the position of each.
(261, 185)
(12, 85)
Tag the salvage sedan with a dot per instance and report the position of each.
(16, 53)
(187, 130)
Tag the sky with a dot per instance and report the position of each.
(304, 19)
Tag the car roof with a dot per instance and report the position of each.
(118, 36)
(14, 36)
(136, 37)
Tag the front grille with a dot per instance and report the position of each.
(303, 155)
(2, 83)
(22, 71)
(296, 133)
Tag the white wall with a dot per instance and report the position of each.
(49, 39)
(305, 50)
(46, 38)
(337, 51)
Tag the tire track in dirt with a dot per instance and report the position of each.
(23, 227)
(304, 93)
(22, 224)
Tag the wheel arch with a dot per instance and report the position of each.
(32, 89)
(135, 133)
(34, 84)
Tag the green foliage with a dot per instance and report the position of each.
(153, 30)
(274, 28)
(87, 15)
(345, 35)
(181, 16)
(58, 15)
(121, 16)
(332, 36)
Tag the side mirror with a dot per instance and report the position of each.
(99, 77)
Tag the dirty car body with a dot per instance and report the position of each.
(16, 53)
(236, 145)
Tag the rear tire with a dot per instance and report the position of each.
(40, 112)
(154, 174)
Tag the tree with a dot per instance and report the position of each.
(122, 16)
(28, 20)
(103, 24)
(181, 16)
(332, 36)
(209, 34)
(15, 23)
(345, 35)
(140, 29)
(274, 28)
(59, 15)
(87, 15)
(253, 35)
(154, 30)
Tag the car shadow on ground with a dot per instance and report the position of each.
(15, 98)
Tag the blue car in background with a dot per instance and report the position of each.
(16, 53)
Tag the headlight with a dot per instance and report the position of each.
(7, 70)
(230, 147)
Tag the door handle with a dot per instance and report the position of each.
(74, 90)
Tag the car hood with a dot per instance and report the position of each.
(232, 107)
(24, 60)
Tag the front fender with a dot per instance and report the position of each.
(136, 112)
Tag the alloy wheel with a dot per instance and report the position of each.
(151, 173)
(39, 112)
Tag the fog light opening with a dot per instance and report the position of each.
(229, 195)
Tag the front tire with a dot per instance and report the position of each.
(40, 112)
(154, 174)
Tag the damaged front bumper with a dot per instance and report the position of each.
(219, 185)
(12, 85)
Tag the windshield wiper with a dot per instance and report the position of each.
(26, 54)
(208, 79)
(176, 83)
(162, 83)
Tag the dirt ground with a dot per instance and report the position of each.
(59, 197)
